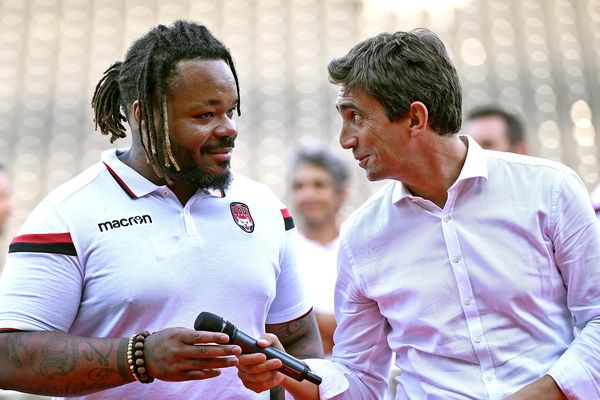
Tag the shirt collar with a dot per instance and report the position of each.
(134, 184)
(475, 166)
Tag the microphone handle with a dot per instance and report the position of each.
(291, 367)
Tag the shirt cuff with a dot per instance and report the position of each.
(573, 378)
(334, 379)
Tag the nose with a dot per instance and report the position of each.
(347, 139)
(226, 128)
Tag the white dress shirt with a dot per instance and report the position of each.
(477, 299)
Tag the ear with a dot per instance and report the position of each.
(136, 110)
(418, 118)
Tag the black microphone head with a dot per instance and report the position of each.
(210, 322)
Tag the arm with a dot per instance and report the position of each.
(299, 337)
(575, 234)
(58, 364)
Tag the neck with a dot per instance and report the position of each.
(323, 233)
(437, 171)
(136, 160)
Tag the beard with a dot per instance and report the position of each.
(202, 178)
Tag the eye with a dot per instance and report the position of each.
(355, 117)
(207, 115)
(231, 111)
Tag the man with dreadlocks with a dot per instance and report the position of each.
(148, 238)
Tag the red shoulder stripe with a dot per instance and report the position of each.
(44, 238)
(55, 243)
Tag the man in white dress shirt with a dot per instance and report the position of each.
(473, 266)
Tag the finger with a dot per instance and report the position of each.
(256, 377)
(211, 363)
(215, 350)
(260, 383)
(201, 337)
(267, 340)
(252, 359)
(199, 374)
(269, 366)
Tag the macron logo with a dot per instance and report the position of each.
(119, 223)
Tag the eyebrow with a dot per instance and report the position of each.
(217, 102)
(346, 105)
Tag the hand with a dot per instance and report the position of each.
(256, 372)
(544, 388)
(180, 354)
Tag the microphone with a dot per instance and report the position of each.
(292, 367)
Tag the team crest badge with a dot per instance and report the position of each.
(241, 216)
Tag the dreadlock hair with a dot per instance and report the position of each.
(149, 66)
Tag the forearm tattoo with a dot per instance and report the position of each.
(57, 364)
(300, 337)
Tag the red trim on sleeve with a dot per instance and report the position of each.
(44, 238)
(597, 208)
(302, 316)
(10, 330)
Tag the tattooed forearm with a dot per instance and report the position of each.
(53, 363)
(12, 350)
(58, 357)
(102, 358)
(300, 337)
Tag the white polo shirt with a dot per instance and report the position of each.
(109, 254)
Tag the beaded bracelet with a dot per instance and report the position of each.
(135, 357)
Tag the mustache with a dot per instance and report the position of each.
(224, 142)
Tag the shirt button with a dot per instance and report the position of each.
(166, 193)
(446, 218)
(468, 300)
(489, 377)
(477, 339)
(455, 259)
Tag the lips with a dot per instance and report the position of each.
(362, 159)
(221, 154)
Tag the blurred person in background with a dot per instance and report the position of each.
(473, 266)
(494, 128)
(148, 238)
(319, 180)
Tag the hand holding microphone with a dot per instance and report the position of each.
(292, 367)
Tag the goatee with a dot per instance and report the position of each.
(203, 179)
